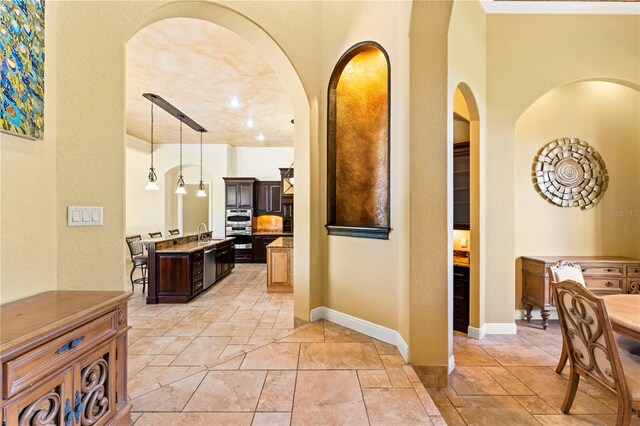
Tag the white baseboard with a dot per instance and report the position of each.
(535, 314)
(477, 333)
(452, 364)
(368, 328)
(501, 328)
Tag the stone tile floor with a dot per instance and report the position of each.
(511, 380)
(232, 356)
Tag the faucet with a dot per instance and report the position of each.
(199, 233)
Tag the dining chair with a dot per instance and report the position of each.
(155, 234)
(138, 260)
(592, 349)
(561, 271)
(174, 232)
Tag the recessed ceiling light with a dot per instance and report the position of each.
(235, 103)
(260, 137)
(250, 123)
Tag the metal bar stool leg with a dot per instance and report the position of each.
(131, 276)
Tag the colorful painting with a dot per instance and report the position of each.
(22, 67)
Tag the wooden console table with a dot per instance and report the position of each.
(63, 356)
(602, 274)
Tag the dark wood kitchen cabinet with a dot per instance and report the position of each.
(287, 215)
(225, 260)
(461, 186)
(239, 192)
(180, 276)
(260, 243)
(268, 198)
(460, 298)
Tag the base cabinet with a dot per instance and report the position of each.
(279, 270)
(81, 382)
(460, 298)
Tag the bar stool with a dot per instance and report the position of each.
(155, 234)
(174, 232)
(138, 259)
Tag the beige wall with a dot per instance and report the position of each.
(606, 115)
(526, 57)
(28, 199)
(372, 292)
(196, 209)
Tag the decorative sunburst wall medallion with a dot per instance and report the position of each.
(569, 172)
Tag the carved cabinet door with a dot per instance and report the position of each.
(48, 404)
(95, 386)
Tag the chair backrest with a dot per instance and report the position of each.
(174, 232)
(135, 246)
(588, 336)
(155, 234)
(564, 270)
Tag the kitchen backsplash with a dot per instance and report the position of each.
(267, 223)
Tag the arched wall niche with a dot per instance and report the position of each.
(358, 145)
(604, 113)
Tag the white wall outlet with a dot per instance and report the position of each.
(463, 243)
(84, 216)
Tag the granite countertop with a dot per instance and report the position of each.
(167, 238)
(194, 246)
(272, 232)
(282, 242)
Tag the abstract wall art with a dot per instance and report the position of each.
(22, 67)
(569, 172)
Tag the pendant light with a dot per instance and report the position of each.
(180, 189)
(201, 191)
(152, 185)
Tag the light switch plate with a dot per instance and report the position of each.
(463, 243)
(84, 216)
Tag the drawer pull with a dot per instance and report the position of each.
(610, 270)
(609, 284)
(71, 345)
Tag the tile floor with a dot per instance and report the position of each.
(511, 380)
(232, 356)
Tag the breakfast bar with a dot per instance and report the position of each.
(181, 268)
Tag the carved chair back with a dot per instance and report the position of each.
(155, 234)
(174, 232)
(135, 247)
(564, 270)
(588, 336)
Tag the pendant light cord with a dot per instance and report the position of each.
(180, 146)
(152, 135)
(200, 157)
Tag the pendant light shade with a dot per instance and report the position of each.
(152, 185)
(181, 189)
(201, 192)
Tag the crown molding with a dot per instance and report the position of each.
(561, 7)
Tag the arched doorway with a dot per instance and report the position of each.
(468, 315)
(292, 84)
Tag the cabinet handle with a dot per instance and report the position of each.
(610, 270)
(609, 284)
(71, 345)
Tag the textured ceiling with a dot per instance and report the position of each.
(203, 70)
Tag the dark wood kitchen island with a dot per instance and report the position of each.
(181, 268)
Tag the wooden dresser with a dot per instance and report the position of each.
(602, 274)
(63, 356)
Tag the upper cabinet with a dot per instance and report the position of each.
(268, 198)
(461, 186)
(239, 192)
(358, 199)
